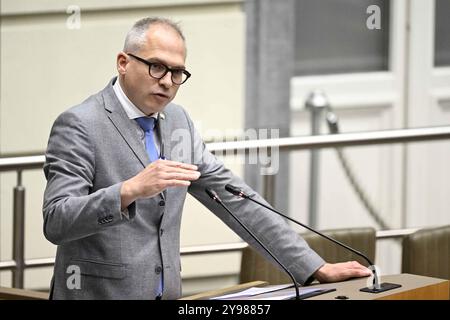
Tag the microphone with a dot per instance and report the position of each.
(213, 195)
(375, 288)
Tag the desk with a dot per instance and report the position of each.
(21, 294)
(413, 287)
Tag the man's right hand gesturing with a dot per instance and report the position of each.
(155, 178)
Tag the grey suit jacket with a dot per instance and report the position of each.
(94, 147)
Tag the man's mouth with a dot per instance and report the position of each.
(161, 95)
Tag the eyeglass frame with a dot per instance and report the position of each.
(149, 64)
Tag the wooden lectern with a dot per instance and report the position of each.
(21, 294)
(413, 287)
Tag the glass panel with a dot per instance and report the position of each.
(442, 34)
(333, 37)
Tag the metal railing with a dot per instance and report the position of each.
(198, 250)
(19, 164)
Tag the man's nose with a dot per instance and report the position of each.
(166, 81)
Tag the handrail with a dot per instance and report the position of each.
(291, 143)
(18, 164)
(201, 249)
(21, 163)
(338, 140)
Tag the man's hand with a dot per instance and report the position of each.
(335, 272)
(155, 178)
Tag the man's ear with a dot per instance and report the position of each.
(122, 61)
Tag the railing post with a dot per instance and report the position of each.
(269, 188)
(19, 234)
(269, 182)
(315, 103)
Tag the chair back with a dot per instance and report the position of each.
(255, 267)
(426, 252)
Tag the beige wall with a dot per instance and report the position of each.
(46, 68)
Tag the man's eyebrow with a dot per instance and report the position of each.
(163, 62)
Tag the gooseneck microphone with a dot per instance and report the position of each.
(375, 288)
(213, 195)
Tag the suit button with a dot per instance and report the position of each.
(161, 232)
(162, 203)
(158, 270)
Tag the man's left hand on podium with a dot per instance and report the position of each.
(335, 272)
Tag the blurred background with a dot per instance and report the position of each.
(379, 65)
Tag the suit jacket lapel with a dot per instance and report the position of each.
(123, 124)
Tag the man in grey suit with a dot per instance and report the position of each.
(115, 214)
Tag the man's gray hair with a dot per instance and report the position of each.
(136, 37)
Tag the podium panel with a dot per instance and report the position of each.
(413, 287)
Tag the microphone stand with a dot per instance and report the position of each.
(375, 288)
(213, 195)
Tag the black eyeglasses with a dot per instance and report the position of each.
(158, 70)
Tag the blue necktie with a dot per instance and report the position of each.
(148, 124)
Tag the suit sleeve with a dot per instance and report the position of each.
(71, 210)
(271, 229)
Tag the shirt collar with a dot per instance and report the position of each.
(130, 108)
